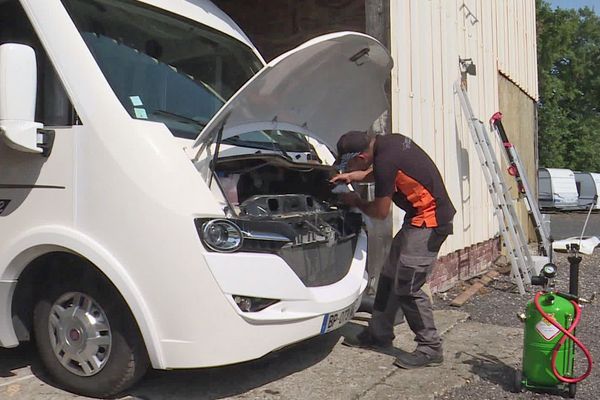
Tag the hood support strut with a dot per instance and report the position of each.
(229, 210)
(213, 163)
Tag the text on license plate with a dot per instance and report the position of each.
(336, 319)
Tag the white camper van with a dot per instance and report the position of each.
(557, 189)
(128, 239)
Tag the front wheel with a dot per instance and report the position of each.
(86, 339)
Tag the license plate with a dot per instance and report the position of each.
(336, 319)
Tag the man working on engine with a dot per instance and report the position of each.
(403, 173)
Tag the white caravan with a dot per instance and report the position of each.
(588, 187)
(128, 240)
(557, 189)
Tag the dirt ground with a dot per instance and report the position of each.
(499, 303)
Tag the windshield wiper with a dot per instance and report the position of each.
(181, 118)
(282, 151)
(273, 146)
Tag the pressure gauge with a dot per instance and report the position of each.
(549, 270)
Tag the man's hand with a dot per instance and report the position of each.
(349, 177)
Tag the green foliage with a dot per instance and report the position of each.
(569, 114)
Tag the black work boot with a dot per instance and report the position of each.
(418, 359)
(366, 340)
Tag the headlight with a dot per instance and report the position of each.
(221, 235)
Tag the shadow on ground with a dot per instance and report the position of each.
(197, 384)
(216, 383)
(20, 362)
(490, 368)
(352, 329)
(14, 359)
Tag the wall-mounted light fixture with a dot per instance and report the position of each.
(467, 66)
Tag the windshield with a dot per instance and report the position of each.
(161, 66)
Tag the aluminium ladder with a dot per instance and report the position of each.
(504, 208)
(517, 170)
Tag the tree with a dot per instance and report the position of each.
(569, 114)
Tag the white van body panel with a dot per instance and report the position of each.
(44, 239)
(123, 194)
(30, 183)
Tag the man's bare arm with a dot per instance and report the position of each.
(378, 208)
(354, 176)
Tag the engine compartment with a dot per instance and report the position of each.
(288, 209)
(243, 177)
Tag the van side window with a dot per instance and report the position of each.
(53, 106)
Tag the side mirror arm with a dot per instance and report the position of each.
(45, 141)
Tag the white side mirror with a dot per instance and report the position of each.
(18, 87)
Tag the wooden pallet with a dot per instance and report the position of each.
(474, 288)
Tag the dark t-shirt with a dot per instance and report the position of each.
(402, 169)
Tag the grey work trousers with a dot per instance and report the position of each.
(412, 257)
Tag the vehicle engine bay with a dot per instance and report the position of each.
(288, 208)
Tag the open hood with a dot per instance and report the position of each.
(324, 88)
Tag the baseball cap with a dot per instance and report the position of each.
(349, 146)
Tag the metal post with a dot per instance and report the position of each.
(574, 262)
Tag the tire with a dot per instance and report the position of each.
(572, 390)
(87, 320)
(518, 382)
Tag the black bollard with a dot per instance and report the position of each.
(574, 262)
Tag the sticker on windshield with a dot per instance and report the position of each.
(140, 113)
(3, 205)
(136, 101)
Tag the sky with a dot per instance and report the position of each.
(593, 4)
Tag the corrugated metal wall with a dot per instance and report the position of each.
(427, 39)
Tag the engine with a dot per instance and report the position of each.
(288, 209)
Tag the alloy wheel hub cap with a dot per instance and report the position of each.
(80, 334)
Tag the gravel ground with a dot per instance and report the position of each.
(498, 304)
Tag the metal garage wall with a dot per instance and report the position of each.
(427, 39)
(517, 49)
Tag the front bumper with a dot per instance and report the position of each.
(243, 336)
